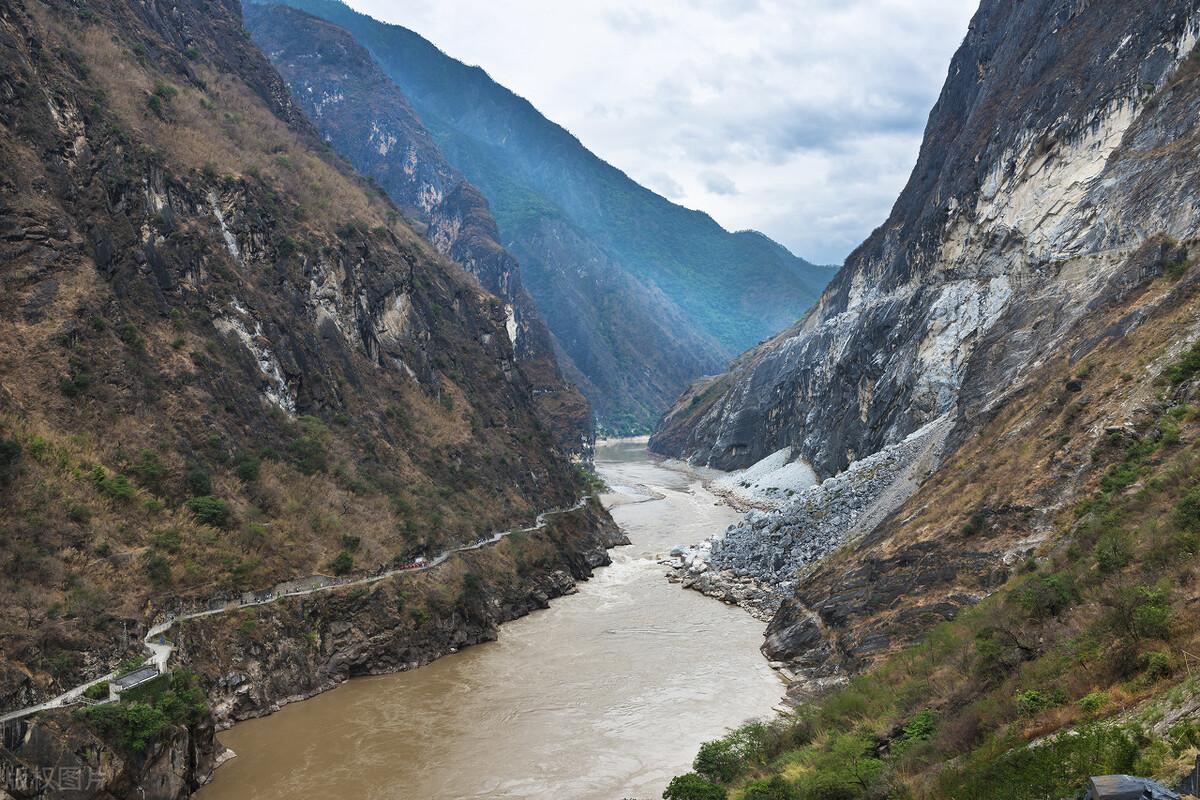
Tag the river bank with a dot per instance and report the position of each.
(605, 694)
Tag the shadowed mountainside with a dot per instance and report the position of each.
(642, 295)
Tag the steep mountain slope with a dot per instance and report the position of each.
(1007, 230)
(562, 210)
(226, 361)
(1002, 381)
(359, 111)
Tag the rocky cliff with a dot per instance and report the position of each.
(1055, 150)
(366, 118)
(591, 239)
(1048, 228)
(226, 359)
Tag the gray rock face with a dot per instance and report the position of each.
(1056, 149)
(1056, 178)
(757, 562)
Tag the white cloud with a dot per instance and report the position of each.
(798, 118)
(718, 182)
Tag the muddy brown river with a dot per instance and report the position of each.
(605, 695)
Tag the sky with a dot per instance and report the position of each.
(798, 118)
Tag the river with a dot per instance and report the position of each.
(605, 695)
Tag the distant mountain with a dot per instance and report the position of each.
(365, 116)
(642, 294)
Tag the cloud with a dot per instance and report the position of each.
(799, 118)
(665, 185)
(718, 183)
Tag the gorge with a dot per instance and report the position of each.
(300, 311)
(607, 693)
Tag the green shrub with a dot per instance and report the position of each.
(1187, 511)
(308, 454)
(1045, 596)
(98, 691)
(149, 471)
(1055, 768)
(350, 543)
(157, 569)
(1120, 476)
(1139, 612)
(774, 789)
(1112, 552)
(693, 787)
(75, 383)
(975, 523)
(131, 725)
(198, 481)
(170, 540)
(1032, 702)
(1186, 367)
(920, 727)
(1093, 702)
(115, 486)
(342, 563)
(247, 467)
(1158, 665)
(128, 333)
(845, 770)
(10, 454)
(718, 761)
(210, 510)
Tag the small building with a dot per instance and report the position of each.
(136, 678)
(1127, 787)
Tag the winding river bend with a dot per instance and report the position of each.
(605, 695)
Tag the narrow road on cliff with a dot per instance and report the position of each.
(161, 650)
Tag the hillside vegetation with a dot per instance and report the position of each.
(1083, 661)
(225, 358)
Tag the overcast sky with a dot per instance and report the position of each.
(799, 118)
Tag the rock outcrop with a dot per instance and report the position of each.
(254, 663)
(52, 756)
(1050, 220)
(366, 118)
(1055, 151)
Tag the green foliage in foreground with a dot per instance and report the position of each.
(147, 710)
(1053, 769)
(210, 511)
(693, 787)
(1009, 701)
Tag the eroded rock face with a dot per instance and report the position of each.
(302, 646)
(366, 117)
(1055, 187)
(1054, 152)
(52, 757)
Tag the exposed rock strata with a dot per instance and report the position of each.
(1055, 150)
(1055, 188)
(302, 646)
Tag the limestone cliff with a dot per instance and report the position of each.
(955, 385)
(1058, 147)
